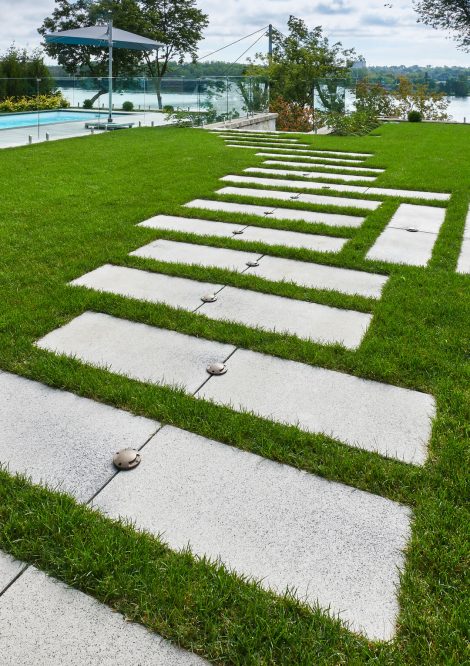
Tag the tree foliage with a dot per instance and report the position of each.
(20, 71)
(452, 15)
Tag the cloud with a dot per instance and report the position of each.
(335, 7)
(380, 20)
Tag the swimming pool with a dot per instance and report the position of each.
(33, 118)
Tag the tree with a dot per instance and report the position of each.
(20, 71)
(302, 60)
(453, 15)
(178, 24)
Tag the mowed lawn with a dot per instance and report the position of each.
(70, 206)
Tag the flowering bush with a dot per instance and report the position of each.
(38, 102)
(294, 117)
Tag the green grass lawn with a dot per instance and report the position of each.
(70, 206)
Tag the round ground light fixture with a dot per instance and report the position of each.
(412, 230)
(237, 232)
(252, 264)
(126, 459)
(208, 298)
(217, 369)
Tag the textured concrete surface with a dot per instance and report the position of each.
(277, 213)
(306, 150)
(334, 545)
(9, 569)
(138, 351)
(258, 137)
(293, 151)
(318, 199)
(201, 255)
(315, 158)
(56, 432)
(275, 173)
(46, 623)
(192, 225)
(260, 234)
(399, 246)
(422, 218)
(334, 187)
(312, 321)
(333, 167)
(410, 194)
(392, 421)
(306, 320)
(319, 276)
(145, 286)
(308, 274)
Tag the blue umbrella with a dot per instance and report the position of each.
(108, 37)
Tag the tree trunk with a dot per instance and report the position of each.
(158, 88)
(98, 94)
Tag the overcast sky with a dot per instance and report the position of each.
(384, 35)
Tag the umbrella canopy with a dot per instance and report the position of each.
(105, 36)
(98, 35)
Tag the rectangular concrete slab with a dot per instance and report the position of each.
(199, 255)
(275, 173)
(315, 158)
(463, 264)
(311, 321)
(56, 431)
(295, 151)
(264, 235)
(421, 218)
(144, 286)
(410, 194)
(334, 545)
(320, 164)
(389, 420)
(311, 217)
(265, 141)
(136, 350)
(399, 246)
(315, 199)
(9, 570)
(254, 137)
(319, 276)
(309, 150)
(192, 225)
(46, 623)
(307, 274)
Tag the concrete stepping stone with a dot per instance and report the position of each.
(389, 420)
(321, 164)
(415, 194)
(58, 431)
(9, 570)
(193, 225)
(306, 274)
(311, 217)
(275, 173)
(305, 148)
(255, 234)
(199, 255)
(265, 141)
(410, 236)
(301, 151)
(46, 623)
(310, 321)
(287, 196)
(283, 154)
(333, 544)
(272, 139)
(138, 351)
(463, 264)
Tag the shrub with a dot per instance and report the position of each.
(127, 106)
(293, 117)
(87, 104)
(358, 123)
(414, 117)
(168, 108)
(34, 103)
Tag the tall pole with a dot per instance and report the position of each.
(110, 71)
(270, 43)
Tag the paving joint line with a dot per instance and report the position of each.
(13, 581)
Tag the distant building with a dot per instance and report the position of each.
(359, 64)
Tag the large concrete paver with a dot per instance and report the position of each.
(56, 435)
(389, 420)
(334, 545)
(256, 234)
(311, 217)
(315, 158)
(293, 151)
(137, 350)
(275, 173)
(310, 165)
(302, 148)
(317, 199)
(307, 274)
(9, 570)
(46, 623)
(463, 264)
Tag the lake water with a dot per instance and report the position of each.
(459, 107)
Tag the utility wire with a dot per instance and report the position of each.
(235, 42)
(246, 51)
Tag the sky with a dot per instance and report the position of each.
(382, 34)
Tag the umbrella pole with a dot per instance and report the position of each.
(110, 71)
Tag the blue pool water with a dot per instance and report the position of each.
(30, 119)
